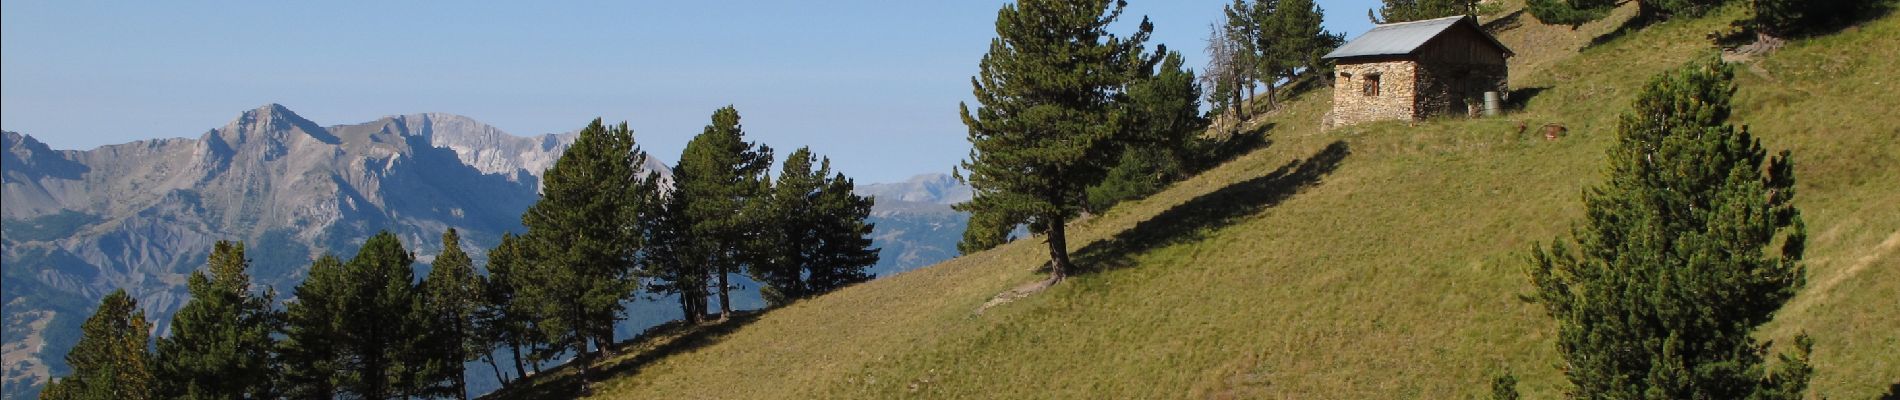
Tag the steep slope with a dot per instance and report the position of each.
(1381, 261)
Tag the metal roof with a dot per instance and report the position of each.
(1404, 38)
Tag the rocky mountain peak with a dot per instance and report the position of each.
(270, 123)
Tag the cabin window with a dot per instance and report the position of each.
(1371, 87)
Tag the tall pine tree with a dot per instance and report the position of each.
(451, 298)
(110, 361)
(814, 238)
(719, 177)
(1396, 11)
(1689, 246)
(673, 266)
(1047, 125)
(312, 350)
(220, 345)
(585, 240)
(377, 331)
(510, 321)
(1164, 109)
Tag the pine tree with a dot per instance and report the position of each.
(509, 322)
(1244, 31)
(312, 350)
(1273, 51)
(989, 228)
(1164, 110)
(1048, 125)
(843, 239)
(718, 178)
(220, 345)
(1303, 39)
(789, 222)
(813, 238)
(1688, 247)
(110, 361)
(451, 297)
(672, 264)
(1396, 11)
(378, 332)
(585, 241)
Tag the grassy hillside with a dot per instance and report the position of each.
(1380, 261)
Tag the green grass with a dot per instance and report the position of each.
(1378, 261)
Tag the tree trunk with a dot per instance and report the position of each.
(1246, 106)
(520, 370)
(581, 356)
(461, 382)
(604, 342)
(725, 296)
(1059, 265)
(535, 361)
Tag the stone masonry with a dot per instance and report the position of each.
(1352, 104)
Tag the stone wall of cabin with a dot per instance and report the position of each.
(1396, 98)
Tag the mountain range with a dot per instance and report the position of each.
(142, 215)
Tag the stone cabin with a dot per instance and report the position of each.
(1414, 70)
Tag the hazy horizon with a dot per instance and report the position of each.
(872, 85)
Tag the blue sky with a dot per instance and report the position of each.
(872, 84)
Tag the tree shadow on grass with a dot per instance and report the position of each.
(1628, 27)
(1507, 22)
(1521, 97)
(1192, 220)
(1214, 151)
(630, 356)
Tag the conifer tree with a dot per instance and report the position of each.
(1303, 39)
(1047, 125)
(843, 236)
(814, 239)
(110, 361)
(988, 229)
(378, 331)
(784, 239)
(1164, 110)
(451, 298)
(220, 345)
(312, 350)
(1271, 49)
(585, 241)
(509, 322)
(718, 178)
(1689, 246)
(672, 264)
(1396, 11)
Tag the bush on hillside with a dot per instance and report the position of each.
(1689, 245)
